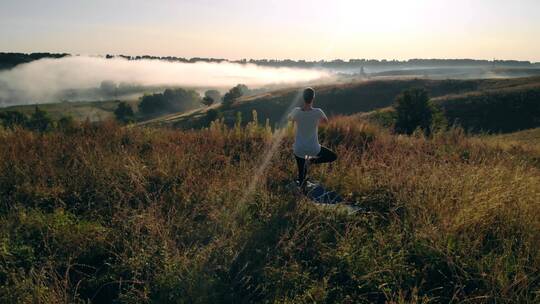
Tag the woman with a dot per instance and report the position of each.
(307, 149)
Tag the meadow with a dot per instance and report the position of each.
(103, 213)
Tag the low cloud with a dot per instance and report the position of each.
(43, 80)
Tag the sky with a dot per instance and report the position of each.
(276, 29)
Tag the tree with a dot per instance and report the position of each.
(152, 104)
(108, 88)
(214, 94)
(170, 101)
(39, 121)
(234, 93)
(211, 97)
(413, 111)
(124, 112)
(65, 123)
(212, 115)
(207, 101)
(10, 119)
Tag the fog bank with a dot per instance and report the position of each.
(43, 80)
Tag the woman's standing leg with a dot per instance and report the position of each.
(301, 163)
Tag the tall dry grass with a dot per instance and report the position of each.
(103, 214)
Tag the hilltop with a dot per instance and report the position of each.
(97, 212)
(103, 214)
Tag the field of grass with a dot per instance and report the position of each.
(522, 140)
(107, 214)
(529, 137)
(79, 110)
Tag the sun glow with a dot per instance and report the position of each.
(235, 29)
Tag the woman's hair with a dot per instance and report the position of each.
(309, 94)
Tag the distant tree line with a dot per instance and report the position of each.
(8, 60)
(339, 63)
(109, 88)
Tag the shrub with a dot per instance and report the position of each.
(385, 117)
(211, 97)
(212, 115)
(414, 111)
(66, 123)
(233, 94)
(124, 112)
(43, 252)
(170, 101)
(40, 121)
(11, 119)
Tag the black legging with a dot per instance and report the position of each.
(325, 156)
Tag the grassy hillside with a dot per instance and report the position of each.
(105, 214)
(500, 110)
(522, 140)
(531, 136)
(92, 110)
(339, 99)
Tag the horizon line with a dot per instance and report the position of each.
(246, 59)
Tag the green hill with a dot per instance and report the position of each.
(495, 110)
(492, 110)
(345, 99)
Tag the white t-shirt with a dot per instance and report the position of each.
(306, 141)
